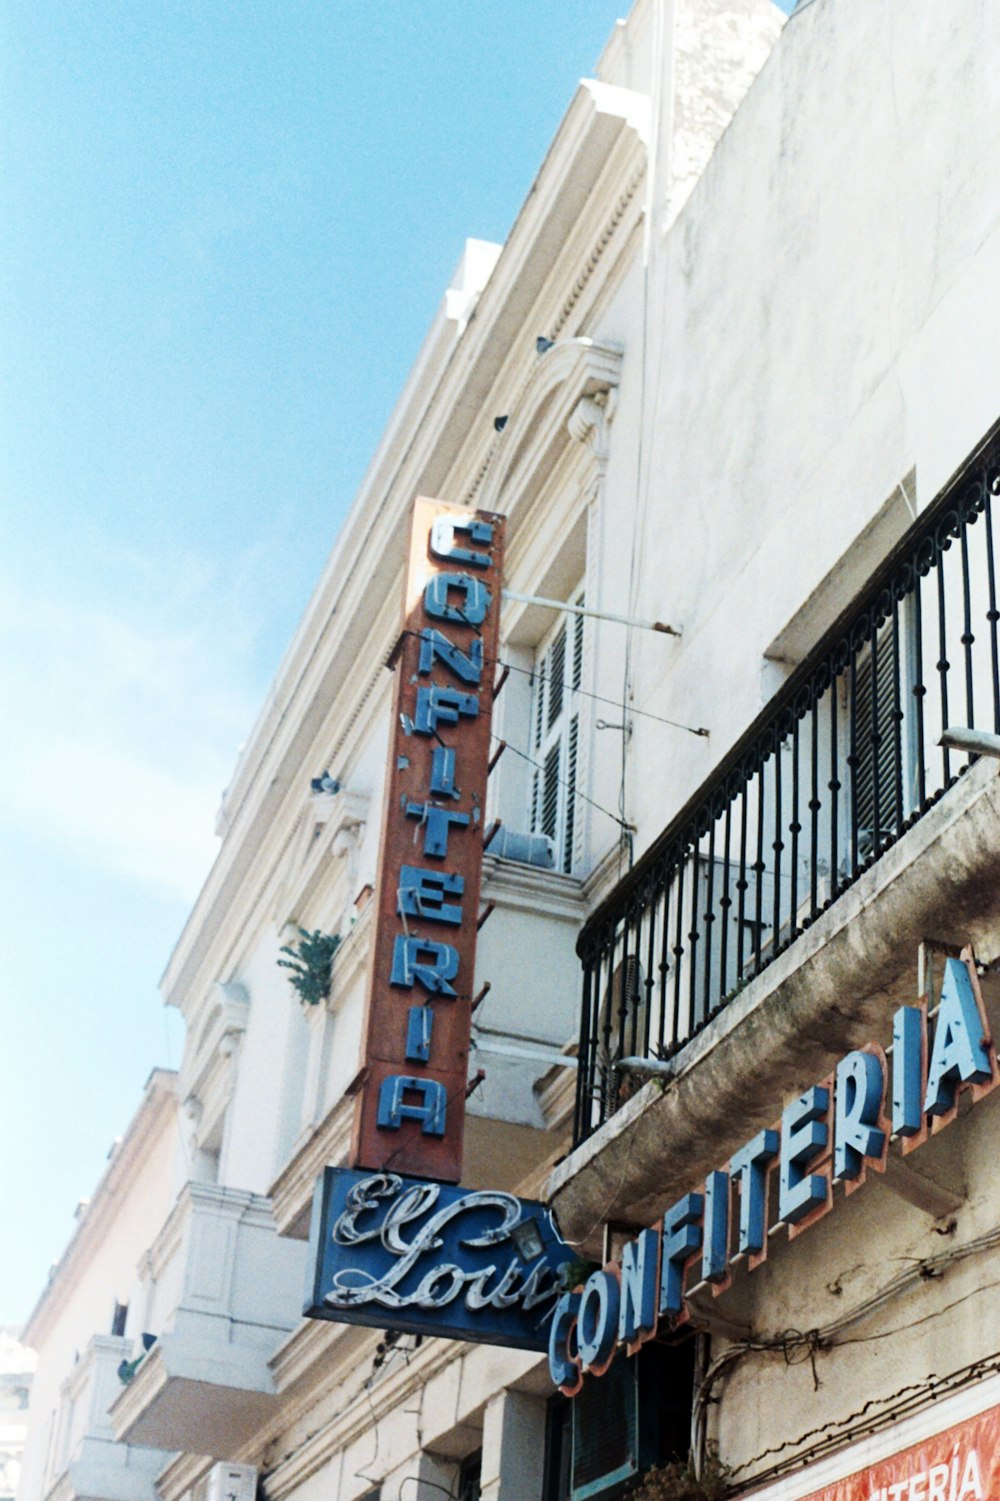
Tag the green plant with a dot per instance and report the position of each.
(573, 1273)
(128, 1368)
(676, 1481)
(311, 963)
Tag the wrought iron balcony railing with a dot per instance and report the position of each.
(841, 762)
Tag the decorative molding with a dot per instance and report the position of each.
(545, 420)
(291, 1192)
(181, 1475)
(331, 825)
(546, 893)
(600, 246)
(206, 1080)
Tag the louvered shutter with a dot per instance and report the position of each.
(555, 737)
(875, 678)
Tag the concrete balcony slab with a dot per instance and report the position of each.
(93, 1465)
(225, 1291)
(834, 988)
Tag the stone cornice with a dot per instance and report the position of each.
(511, 884)
(326, 1145)
(181, 1474)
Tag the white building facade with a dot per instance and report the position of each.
(733, 374)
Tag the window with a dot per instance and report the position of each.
(470, 1477)
(118, 1319)
(558, 1448)
(636, 1415)
(880, 752)
(555, 735)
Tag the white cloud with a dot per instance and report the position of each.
(123, 724)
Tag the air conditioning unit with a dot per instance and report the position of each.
(231, 1482)
(528, 849)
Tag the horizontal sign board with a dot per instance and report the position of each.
(827, 1138)
(431, 1258)
(960, 1464)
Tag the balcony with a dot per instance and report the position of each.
(223, 1291)
(776, 920)
(90, 1463)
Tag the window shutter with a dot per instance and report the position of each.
(555, 738)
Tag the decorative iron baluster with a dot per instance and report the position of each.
(967, 638)
(815, 804)
(897, 718)
(678, 950)
(725, 901)
(652, 905)
(664, 960)
(943, 664)
(709, 916)
(852, 759)
(795, 829)
(777, 845)
(992, 614)
(759, 868)
(741, 884)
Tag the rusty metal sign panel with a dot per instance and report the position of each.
(410, 1112)
(960, 1464)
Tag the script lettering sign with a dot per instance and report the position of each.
(430, 1258)
(411, 1105)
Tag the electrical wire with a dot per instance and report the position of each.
(793, 1343)
(563, 783)
(600, 698)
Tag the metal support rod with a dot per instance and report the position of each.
(976, 742)
(568, 609)
(656, 1068)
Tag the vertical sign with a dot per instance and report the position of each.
(411, 1107)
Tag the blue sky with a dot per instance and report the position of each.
(226, 229)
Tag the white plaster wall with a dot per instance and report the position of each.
(83, 1301)
(254, 1117)
(821, 319)
(866, 1240)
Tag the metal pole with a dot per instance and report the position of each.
(561, 604)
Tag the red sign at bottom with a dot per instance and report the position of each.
(960, 1464)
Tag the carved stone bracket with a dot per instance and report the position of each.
(569, 397)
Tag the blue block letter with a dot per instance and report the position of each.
(803, 1136)
(443, 540)
(681, 1236)
(422, 893)
(442, 706)
(715, 1247)
(638, 1297)
(393, 1110)
(907, 1071)
(597, 1321)
(475, 598)
(959, 1055)
(749, 1165)
(857, 1103)
(424, 962)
